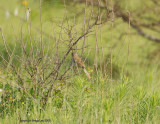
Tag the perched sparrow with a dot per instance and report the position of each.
(80, 63)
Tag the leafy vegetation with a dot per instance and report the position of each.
(124, 90)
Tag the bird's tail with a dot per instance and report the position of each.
(87, 74)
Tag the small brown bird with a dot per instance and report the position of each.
(80, 63)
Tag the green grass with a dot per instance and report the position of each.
(132, 96)
(99, 101)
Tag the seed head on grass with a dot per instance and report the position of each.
(28, 13)
(1, 90)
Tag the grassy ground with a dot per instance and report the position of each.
(123, 101)
(132, 97)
